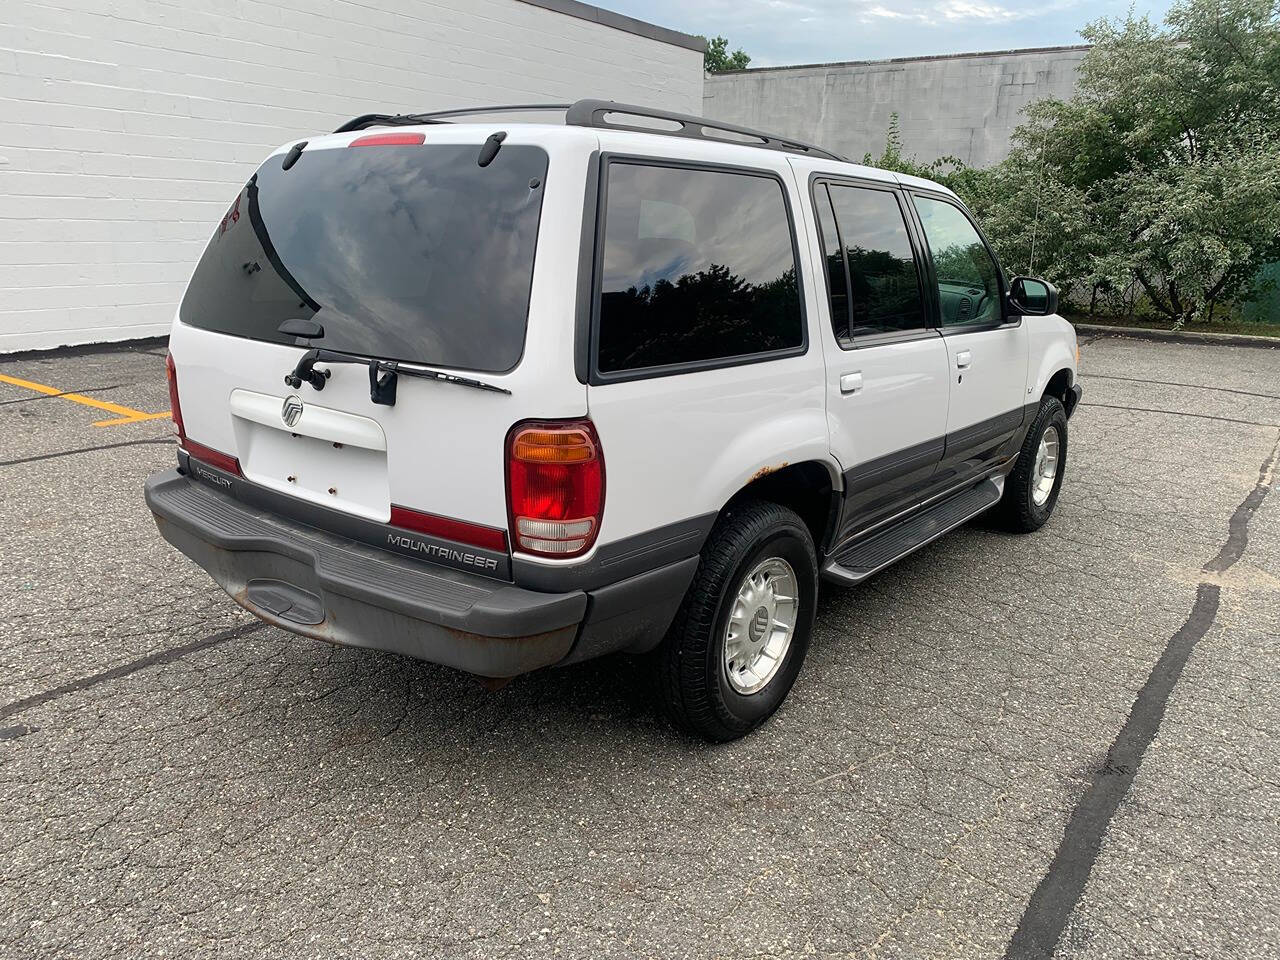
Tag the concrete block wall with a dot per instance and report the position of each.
(127, 126)
(965, 106)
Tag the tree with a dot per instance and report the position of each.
(893, 158)
(1163, 170)
(718, 59)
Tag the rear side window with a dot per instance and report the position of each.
(875, 285)
(400, 252)
(698, 266)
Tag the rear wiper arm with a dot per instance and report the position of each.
(381, 371)
(384, 375)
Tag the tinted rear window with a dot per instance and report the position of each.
(400, 252)
(698, 266)
(884, 294)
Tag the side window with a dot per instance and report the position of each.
(833, 257)
(883, 284)
(698, 265)
(968, 280)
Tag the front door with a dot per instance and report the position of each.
(887, 371)
(986, 348)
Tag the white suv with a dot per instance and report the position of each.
(502, 396)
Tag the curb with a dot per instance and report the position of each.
(137, 345)
(1179, 336)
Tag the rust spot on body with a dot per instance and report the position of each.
(765, 471)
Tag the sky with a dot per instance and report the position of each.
(779, 32)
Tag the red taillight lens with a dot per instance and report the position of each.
(213, 458)
(171, 374)
(389, 140)
(555, 487)
(474, 534)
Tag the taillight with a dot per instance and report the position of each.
(555, 487)
(214, 458)
(171, 374)
(491, 538)
(389, 140)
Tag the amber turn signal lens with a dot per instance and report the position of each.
(558, 446)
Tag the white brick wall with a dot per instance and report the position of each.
(126, 126)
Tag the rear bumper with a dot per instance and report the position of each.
(325, 587)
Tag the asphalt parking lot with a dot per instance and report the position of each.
(1001, 743)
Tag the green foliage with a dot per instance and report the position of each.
(894, 159)
(718, 59)
(1160, 176)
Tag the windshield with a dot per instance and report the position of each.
(399, 252)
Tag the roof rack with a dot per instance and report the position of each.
(598, 113)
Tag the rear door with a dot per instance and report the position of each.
(700, 362)
(398, 247)
(986, 348)
(887, 365)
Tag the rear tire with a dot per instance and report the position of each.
(1030, 492)
(725, 666)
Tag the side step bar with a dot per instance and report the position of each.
(862, 558)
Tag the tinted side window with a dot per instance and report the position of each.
(833, 257)
(968, 280)
(884, 286)
(698, 265)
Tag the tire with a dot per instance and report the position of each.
(1019, 511)
(694, 683)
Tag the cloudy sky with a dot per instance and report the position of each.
(815, 31)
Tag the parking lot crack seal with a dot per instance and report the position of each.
(1238, 525)
(1058, 892)
(60, 393)
(1178, 413)
(67, 453)
(1180, 383)
(133, 666)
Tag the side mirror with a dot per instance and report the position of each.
(1031, 297)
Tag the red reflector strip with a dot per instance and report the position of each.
(389, 140)
(212, 457)
(175, 408)
(490, 538)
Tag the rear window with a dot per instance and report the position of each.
(400, 252)
(699, 267)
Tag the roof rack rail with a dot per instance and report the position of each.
(597, 113)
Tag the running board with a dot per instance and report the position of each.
(862, 558)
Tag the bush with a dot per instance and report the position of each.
(1159, 181)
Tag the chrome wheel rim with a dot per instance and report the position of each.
(761, 624)
(1046, 468)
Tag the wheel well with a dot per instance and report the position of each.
(1059, 386)
(803, 487)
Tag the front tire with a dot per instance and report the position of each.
(738, 641)
(1031, 489)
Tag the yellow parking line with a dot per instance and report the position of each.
(123, 414)
(162, 415)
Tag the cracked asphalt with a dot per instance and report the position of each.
(1061, 744)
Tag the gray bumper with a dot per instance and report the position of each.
(312, 583)
(1073, 399)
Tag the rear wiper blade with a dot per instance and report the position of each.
(426, 373)
(384, 375)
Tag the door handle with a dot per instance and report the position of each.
(851, 382)
(963, 359)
